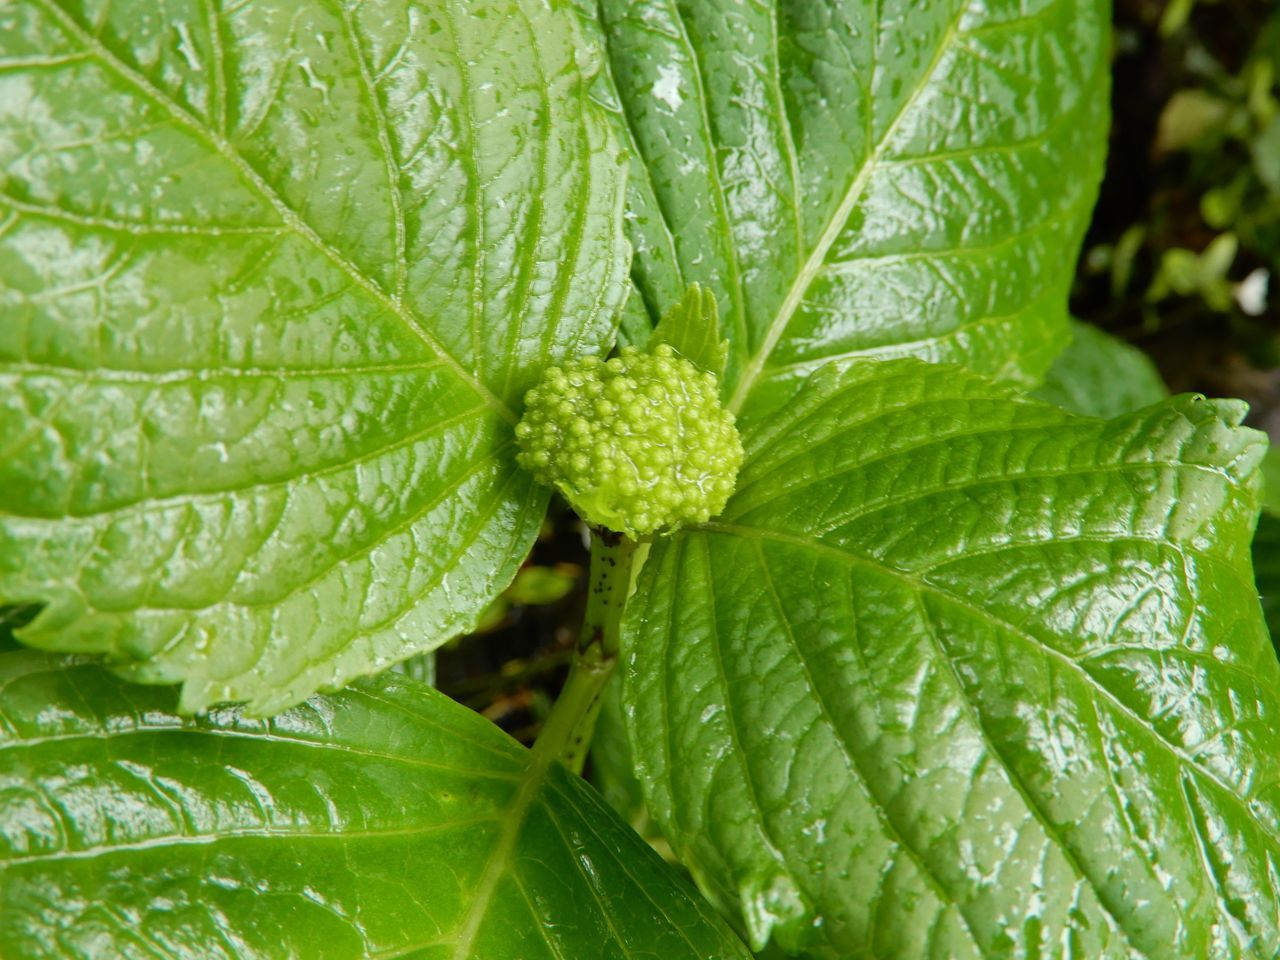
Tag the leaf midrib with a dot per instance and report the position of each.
(322, 745)
(882, 504)
(592, 823)
(177, 727)
(383, 134)
(259, 487)
(498, 863)
(248, 834)
(905, 348)
(926, 868)
(155, 378)
(135, 228)
(718, 195)
(287, 214)
(1017, 782)
(835, 225)
(26, 664)
(922, 587)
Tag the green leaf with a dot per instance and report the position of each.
(384, 821)
(1265, 149)
(274, 277)
(613, 770)
(1099, 375)
(1271, 481)
(859, 179)
(538, 586)
(692, 328)
(961, 676)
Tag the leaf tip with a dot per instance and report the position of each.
(774, 907)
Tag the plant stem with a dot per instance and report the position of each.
(567, 732)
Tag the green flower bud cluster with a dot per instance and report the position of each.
(639, 444)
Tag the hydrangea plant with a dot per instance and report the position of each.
(639, 444)
(901, 662)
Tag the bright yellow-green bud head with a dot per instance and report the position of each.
(639, 444)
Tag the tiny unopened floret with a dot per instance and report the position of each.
(639, 444)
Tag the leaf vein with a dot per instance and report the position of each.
(803, 280)
(290, 216)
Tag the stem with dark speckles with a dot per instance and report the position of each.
(567, 732)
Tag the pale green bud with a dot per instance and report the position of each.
(661, 451)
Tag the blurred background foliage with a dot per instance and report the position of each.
(1183, 253)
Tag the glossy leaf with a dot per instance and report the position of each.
(613, 769)
(961, 676)
(1099, 375)
(858, 179)
(692, 329)
(1271, 481)
(385, 821)
(273, 277)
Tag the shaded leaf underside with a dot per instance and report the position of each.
(273, 277)
(969, 677)
(1266, 562)
(385, 821)
(1099, 375)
